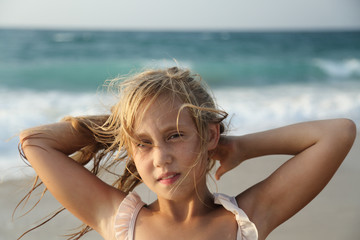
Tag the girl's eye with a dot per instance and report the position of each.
(143, 144)
(140, 145)
(176, 135)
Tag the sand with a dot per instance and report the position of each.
(334, 214)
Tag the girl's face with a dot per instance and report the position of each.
(167, 161)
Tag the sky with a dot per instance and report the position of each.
(181, 15)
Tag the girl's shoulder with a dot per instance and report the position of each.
(246, 229)
(126, 215)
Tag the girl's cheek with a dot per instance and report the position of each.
(141, 160)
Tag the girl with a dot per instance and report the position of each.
(168, 130)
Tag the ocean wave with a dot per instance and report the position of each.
(250, 108)
(257, 109)
(24, 108)
(27, 108)
(164, 63)
(339, 69)
(65, 37)
(254, 106)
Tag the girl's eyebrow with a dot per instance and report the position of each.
(175, 127)
(168, 128)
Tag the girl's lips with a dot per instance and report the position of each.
(168, 178)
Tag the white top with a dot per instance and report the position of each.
(130, 207)
(246, 229)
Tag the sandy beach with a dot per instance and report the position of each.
(334, 214)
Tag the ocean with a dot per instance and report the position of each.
(263, 79)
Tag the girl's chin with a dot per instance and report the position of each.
(179, 189)
(174, 192)
(180, 193)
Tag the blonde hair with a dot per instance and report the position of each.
(114, 133)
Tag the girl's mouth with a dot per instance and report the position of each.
(168, 178)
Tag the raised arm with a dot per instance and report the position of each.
(77, 189)
(318, 147)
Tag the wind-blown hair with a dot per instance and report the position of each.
(113, 134)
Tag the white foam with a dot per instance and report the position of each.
(63, 37)
(165, 63)
(250, 108)
(342, 68)
(23, 109)
(262, 108)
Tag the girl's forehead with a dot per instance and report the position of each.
(160, 104)
(161, 111)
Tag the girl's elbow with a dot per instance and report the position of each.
(29, 137)
(24, 137)
(348, 131)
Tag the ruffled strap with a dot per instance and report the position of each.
(126, 216)
(246, 229)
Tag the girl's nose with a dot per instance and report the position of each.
(161, 156)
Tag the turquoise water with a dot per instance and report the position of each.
(262, 79)
(75, 60)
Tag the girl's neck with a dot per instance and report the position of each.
(197, 204)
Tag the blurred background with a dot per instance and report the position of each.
(269, 63)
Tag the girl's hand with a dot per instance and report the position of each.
(228, 153)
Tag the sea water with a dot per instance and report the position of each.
(262, 79)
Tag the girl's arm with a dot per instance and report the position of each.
(77, 189)
(318, 147)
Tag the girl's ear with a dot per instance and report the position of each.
(214, 135)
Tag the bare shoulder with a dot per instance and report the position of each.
(108, 212)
